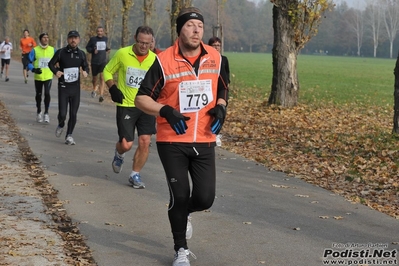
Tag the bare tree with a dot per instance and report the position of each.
(126, 6)
(108, 19)
(355, 23)
(40, 11)
(148, 9)
(3, 17)
(295, 22)
(43, 10)
(177, 5)
(373, 15)
(93, 16)
(391, 21)
(53, 26)
(73, 16)
(395, 129)
(19, 19)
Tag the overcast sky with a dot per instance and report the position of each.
(351, 3)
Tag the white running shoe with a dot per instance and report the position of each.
(189, 231)
(117, 163)
(39, 118)
(93, 94)
(69, 140)
(46, 118)
(181, 257)
(58, 131)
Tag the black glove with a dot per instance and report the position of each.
(219, 112)
(175, 119)
(37, 70)
(116, 94)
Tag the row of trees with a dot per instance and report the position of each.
(371, 31)
(246, 26)
(120, 18)
(242, 22)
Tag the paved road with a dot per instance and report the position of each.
(259, 217)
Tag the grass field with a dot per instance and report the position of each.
(322, 79)
(331, 79)
(339, 137)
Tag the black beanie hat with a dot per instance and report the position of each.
(183, 18)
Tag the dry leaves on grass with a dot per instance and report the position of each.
(349, 150)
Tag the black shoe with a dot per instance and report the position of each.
(7, 79)
(101, 99)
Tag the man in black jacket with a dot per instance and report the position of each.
(66, 64)
(97, 47)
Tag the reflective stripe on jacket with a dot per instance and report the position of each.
(175, 70)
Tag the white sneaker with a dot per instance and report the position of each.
(46, 118)
(69, 140)
(58, 131)
(189, 231)
(39, 118)
(117, 163)
(93, 94)
(181, 257)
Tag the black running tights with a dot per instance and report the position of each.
(68, 96)
(39, 91)
(178, 162)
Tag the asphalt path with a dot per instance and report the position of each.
(259, 217)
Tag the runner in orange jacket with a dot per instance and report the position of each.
(187, 89)
(26, 44)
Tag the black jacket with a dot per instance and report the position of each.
(67, 58)
(101, 56)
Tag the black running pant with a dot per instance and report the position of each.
(25, 61)
(178, 161)
(39, 91)
(68, 95)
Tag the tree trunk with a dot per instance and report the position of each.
(125, 30)
(174, 11)
(93, 16)
(54, 27)
(126, 5)
(148, 9)
(395, 129)
(175, 8)
(285, 84)
(390, 49)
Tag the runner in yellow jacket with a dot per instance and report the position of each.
(131, 63)
(38, 64)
